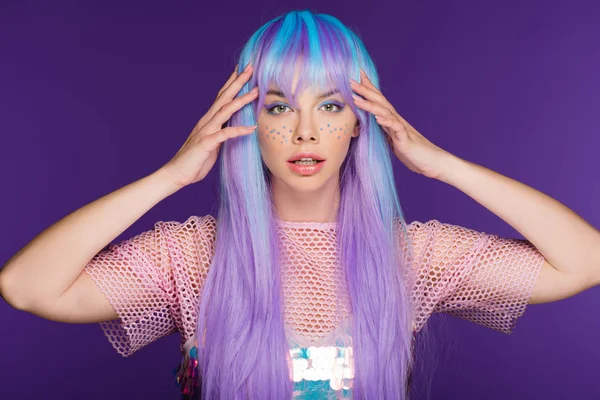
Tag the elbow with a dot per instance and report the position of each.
(10, 293)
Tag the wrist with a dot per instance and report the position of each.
(451, 165)
(165, 179)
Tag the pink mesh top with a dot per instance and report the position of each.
(153, 281)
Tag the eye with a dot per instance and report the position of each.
(277, 107)
(340, 107)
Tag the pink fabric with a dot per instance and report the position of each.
(153, 280)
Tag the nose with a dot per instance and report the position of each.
(305, 132)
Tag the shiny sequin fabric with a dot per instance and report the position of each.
(154, 280)
(321, 370)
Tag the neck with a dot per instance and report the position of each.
(320, 204)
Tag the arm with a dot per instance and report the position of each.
(37, 276)
(569, 244)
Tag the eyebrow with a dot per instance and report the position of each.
(321, 96)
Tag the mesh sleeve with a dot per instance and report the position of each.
(472, 275)
(152, 281)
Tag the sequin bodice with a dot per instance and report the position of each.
(319, 370)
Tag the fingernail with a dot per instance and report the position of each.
(254, 90)
(247, 68)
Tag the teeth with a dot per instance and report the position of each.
(306, 161)
(298, 162)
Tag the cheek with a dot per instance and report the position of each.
(272, 135)
(336, 131)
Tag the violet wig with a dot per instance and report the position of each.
(244, 352)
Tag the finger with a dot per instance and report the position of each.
(370, 94)
(231, 78)
(364, 79)
(392, 126)
(386, 126)
(235, 85)
(388, 137)
(211, 142)
(207, 116)
(374, 108)
(224, 97)
(226, 111)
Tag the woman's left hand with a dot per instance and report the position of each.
(412, 149)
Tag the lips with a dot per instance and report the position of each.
(312, 155)
(307, 170)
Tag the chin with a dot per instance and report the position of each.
(301, 183)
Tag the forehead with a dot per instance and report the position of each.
(312, 90)
(316, 81)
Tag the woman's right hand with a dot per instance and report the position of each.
(199, 153)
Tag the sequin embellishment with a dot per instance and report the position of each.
(319, 372)
(186, 375)
(322, 372)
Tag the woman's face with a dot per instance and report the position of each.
(322, 124)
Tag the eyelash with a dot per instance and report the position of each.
(270, 109)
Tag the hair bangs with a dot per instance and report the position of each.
(321, 55)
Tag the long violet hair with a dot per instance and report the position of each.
(243, 348)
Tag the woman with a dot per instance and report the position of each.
(309, 284)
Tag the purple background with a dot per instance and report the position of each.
(96, 96)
